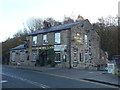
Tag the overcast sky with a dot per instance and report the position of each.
(13, 13)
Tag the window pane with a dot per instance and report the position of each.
(57, 57)
(34, 40)
(57, 37)
(13, 56)
(44, 39)
(34, 55)
(86, 39)
(21, 56)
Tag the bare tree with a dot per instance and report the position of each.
(34, 24)
(108, 32)
(109, 21)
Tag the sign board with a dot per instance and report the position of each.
(59, 47)
(111, 68)
(43, 47)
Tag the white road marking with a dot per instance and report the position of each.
(29, 81)
(3, 81)
(90, 72)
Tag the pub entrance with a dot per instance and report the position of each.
(44, 58)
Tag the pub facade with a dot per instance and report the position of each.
(71, 45)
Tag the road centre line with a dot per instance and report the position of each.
(76, 79)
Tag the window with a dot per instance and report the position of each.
(77, 37)
(86, 57)
(81, 57)
(34, 55)
(28, 57)
(34, 40)
(13, 56)
(21, 56)
(57, 38)
(86, 39)
(57, 57)
(86, 50)
(75, 54)
(45, 39)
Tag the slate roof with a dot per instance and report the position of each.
(57, 28)
(19, 47)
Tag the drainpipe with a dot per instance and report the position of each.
(69, 48)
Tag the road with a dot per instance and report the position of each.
(18, 78)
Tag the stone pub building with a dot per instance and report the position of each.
(70, 45)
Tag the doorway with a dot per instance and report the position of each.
(44, 58)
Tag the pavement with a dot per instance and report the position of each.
(89, 75)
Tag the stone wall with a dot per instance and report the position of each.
(93, 54)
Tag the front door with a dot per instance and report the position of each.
(44, 59)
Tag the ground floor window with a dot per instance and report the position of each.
(57, 57)
(75, 54)
(86, 57)
(22, 56)
(13, 56)
(34, 53)
(81, 57)
(28, 57)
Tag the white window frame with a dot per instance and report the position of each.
(55, 57)
(34, 58)
(57, 38)
(86, 39)
(34, 40)
(75, 56)
(13, 56)
(86, 57)
(45, 39)
(22, 55)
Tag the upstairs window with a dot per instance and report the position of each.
(57, 38)
(45, 39)
(34, 40)
(86, 39)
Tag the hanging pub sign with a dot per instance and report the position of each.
(59, 47)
